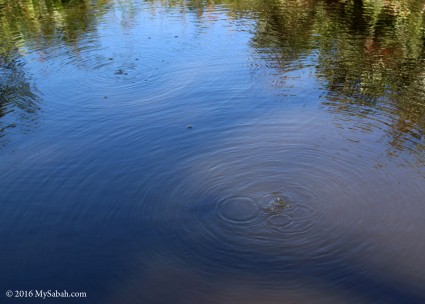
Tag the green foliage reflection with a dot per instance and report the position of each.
(369, 54)
(33, 25)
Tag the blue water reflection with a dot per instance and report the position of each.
(299, 180)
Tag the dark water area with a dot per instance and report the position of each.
(213, 151)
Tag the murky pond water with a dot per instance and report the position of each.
(213, 151)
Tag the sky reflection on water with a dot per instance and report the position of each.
(300, 180)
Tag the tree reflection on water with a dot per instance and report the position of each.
(32, 26)
(369, 55)
(18, 97)
(370, 59)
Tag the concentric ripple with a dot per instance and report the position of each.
(238, 210)
(302, 169)
(120, 70)
(286, 215)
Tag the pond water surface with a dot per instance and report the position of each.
(213, 151)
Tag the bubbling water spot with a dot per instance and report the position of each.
(275, 202)
(282, 212)
(121, 70)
